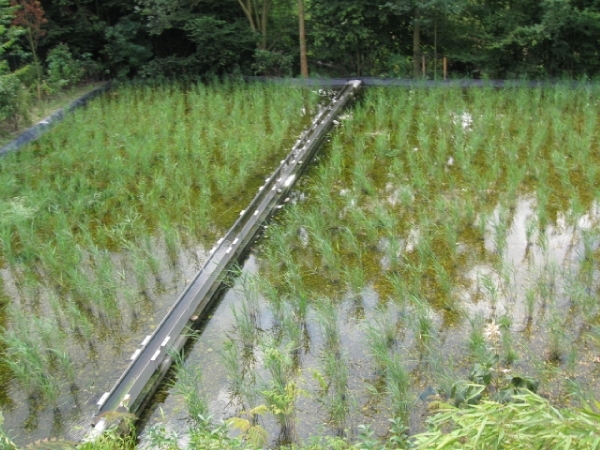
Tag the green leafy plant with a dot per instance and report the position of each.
(529, 421)
(250, 430)
(5, 441)
(485, 379)
(63, 69)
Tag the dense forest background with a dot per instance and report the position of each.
(48, 44)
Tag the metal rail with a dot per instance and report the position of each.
(152, 360)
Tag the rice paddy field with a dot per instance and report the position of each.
(446, 238)
(103, 222)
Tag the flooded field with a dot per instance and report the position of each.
(105, 220)
(445, 238)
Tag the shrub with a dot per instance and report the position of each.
(14, 100)
(528, 421)
(63, 69)
(272, 63)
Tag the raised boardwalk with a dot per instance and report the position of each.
(152, 360)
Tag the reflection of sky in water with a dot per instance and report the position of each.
(113, 342)
(205, 356)
(561, 247)
(511, 269)
(527, 257)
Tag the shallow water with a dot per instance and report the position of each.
(85, 321)
(99, 359)
(453, 255)
(435, 367)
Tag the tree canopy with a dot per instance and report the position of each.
(393, 38)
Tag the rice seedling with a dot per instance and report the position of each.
(79, 319)
(556, 341)
(477, 342)
(300, 300)
(88, 210)
(397, 387)
(445, 285)
(189, 386)
(423, 326)
(291, 330)
(327, 319)
(381, 338)
(281, 391)
(274, 298)
(246, 323)
(240, 372)
(330, 255)
(8, 251)
(333, 383)
(172, 240)
(509, 353)
(356, 280)
(37, 361)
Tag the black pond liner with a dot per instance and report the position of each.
(37, 130)
(336, 83)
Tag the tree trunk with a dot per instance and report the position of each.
(266, 6)
(416, 45)
(303, 56)
(36, 63)
(247, 8)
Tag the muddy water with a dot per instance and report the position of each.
(99, 357)
(439, 251)
(483, 297)
(101, 343)
(82, 326)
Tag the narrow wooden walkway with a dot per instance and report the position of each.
(152, 360)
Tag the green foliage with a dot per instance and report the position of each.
(201, 38)
(350, 37)
(63, 69)
(210, 437)
(14, 99)
(189, 386)
(486, 378)
(251, 431)
(110, 440)
(219, 44)
(197, 39)
(272, 63)
(529, 421)
(125, 48)
(13, 95)
(5, 441)
(8, 33)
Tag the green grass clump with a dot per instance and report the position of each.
(442, 229)
(98, 217)
(529, 421)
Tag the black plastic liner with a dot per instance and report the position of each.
(336, 83)
(44, 125)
